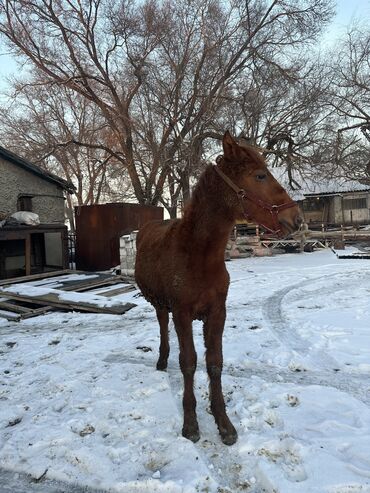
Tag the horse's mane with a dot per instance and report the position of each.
(206, 184)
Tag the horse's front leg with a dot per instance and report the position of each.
(188, 363)
(213, 330)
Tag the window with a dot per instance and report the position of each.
(24, 203)
(351, 204)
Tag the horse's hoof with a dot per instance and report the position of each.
(229, 438)
(191, 434)
(161, 365)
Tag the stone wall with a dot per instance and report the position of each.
(48, 197)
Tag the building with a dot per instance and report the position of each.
(25, 186)
(26, 249)
(327, 202)
(336, 203)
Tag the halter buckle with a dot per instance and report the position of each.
(242, 194)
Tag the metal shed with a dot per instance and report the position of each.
(99, 228)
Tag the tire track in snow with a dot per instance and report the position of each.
(324, 373)
(357, 386)
(286, 333)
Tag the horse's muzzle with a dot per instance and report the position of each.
(292, 224)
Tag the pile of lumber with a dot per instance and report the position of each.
(246, 246)
(69, 290)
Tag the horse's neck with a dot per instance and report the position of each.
(208, 223)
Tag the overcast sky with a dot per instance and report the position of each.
(347, 11)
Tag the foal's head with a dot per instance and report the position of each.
(258, 196)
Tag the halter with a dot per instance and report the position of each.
(243, 195)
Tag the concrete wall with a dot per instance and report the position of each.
(48, 198)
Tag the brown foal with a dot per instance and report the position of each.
(180, 265)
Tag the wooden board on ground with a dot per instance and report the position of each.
(115, 292)
(53, 299)
(12, 307)
(35, 277)
(17, 304)
(88, 285)
(11, 312)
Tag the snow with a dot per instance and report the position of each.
(81, 404)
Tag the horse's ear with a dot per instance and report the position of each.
(231, 148)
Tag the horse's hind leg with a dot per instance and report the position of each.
(213, 329)
(164, 348)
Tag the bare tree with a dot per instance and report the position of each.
(158, 72)
(351, 101)
(57, 129)
(97, 49)
(285, 113)
(201, 87)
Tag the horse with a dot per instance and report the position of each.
(180, 265)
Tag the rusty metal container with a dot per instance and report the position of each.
(99, 228)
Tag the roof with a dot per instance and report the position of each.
(321, 186)
(23, 163)
(332, 186)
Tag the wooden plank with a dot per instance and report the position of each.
(52, 299)
(88, 284)
(115, 292)
(12, 307)
(37, 311)
(36, 277)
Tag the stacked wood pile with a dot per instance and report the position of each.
(246, 246)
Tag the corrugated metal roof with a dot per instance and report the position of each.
(33, 168)
(321, 186)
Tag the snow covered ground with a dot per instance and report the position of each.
(82, 406)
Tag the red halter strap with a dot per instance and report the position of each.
(243, 195)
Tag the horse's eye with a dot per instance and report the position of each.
(261, 177)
